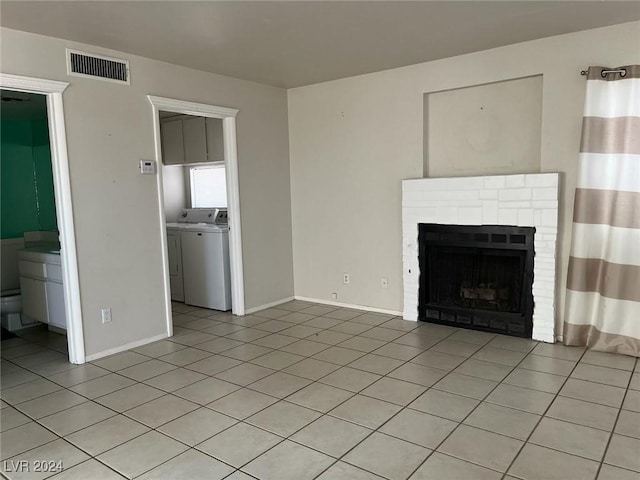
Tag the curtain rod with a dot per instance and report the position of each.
(604, 73)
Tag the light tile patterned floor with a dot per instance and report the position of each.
(306, 391)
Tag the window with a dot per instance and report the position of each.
(208, 186)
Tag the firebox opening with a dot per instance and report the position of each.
(477, 277)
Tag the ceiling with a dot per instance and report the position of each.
(294, 43)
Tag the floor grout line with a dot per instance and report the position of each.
(542, 416)
(615, 424)
(461, 422)
(312, 381)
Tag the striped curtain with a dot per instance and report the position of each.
(603, 283)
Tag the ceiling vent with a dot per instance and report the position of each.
(88, 65)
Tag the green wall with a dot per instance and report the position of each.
(27, 201)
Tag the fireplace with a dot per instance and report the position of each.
(524, 200)
(477, 277)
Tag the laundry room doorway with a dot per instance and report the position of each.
(199, 207)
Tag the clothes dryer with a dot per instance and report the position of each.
(204, 257)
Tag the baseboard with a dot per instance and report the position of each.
(268, 305)
(61, 331)
(348, 305)
(122, 348)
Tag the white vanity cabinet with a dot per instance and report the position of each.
(41, 286)
(55, 297)
(33, 288)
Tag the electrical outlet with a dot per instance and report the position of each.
(106, 315)
(345, 278)
(334, 296)
(384, 282)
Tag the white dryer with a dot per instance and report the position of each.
(199, 258)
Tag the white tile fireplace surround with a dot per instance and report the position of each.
(526, 200)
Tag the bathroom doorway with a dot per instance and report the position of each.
(28, 211)
(39, 263)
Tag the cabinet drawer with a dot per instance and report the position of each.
(32, 269)
(54, 272)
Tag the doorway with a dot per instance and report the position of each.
(226, 118)
(56, 213)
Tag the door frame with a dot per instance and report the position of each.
(228, 117)
(52, 90)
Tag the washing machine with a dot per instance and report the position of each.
(198, 246)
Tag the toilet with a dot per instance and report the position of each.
(10, 309)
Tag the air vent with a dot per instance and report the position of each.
(82, 64)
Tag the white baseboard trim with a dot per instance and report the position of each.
(348, 305)
(122, 348)
(268, 305)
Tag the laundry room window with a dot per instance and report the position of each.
(208, 186)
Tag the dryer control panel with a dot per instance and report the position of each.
(222, 217)
(215, 216)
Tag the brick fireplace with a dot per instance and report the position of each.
(526, 200)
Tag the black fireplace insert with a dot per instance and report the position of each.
(477, 277)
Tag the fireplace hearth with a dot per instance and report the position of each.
(477, 277)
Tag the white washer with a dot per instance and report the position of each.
(204, 258)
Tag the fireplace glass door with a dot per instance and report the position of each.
(477, 277)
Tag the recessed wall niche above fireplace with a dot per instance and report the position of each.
(477, 277)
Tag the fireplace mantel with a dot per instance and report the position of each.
(526, 200)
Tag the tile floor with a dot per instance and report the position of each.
(306, 391)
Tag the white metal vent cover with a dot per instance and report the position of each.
(99, 67)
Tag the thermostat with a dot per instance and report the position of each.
(147, 167)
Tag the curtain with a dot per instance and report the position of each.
(603, 281)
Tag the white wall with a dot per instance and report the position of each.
(109, 129)
(352, 141)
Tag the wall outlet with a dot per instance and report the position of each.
(334, 296)
(106, 315)
(345, 278)
(384, 282)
